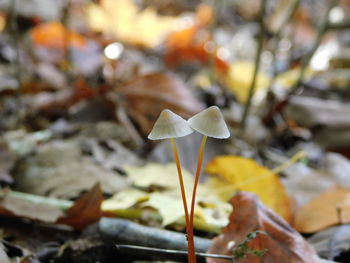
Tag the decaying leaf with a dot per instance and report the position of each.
(148, 95)
(282, 242)
(330, 208)
(123, 19)
(237, 173)
(86, 210)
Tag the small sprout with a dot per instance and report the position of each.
(242, 249)
(211, 123)
(169, 125)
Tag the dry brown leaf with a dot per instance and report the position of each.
(330, 208)
(86, 210)
(283, 243)
(148, 95)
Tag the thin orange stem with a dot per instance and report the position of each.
(196, 180)
(184, 200)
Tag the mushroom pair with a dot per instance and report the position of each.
(169, 125)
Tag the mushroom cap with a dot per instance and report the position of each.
(210, 122)
(169, 125)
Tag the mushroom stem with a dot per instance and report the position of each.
(184, 200)
(196, 180)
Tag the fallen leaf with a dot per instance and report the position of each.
(282, 242)
(86, 210)
(240, 77)
(124, 200)
(55, 35)
(123, 19)
(330, 208)
(161, 176)
(169, 207)
(210, 212)
(148, 95)
(17, 207)
(237, 173)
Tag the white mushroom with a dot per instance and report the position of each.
(169, 125)
(210, 122)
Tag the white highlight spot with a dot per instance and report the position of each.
(114, 50)
(336, 14)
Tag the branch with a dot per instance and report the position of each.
(257, 64)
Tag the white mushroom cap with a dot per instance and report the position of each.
(169, 125)
(210, 122)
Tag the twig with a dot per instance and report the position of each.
(127, 232)
(13, 29)
(257, 64)
(291, 11)
(167, 253)
(339, 25)
(322, 28)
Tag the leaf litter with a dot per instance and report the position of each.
(75, 119)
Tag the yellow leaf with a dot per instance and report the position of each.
(124, 199)
(237, 173)
(123, 20)
(240, 77)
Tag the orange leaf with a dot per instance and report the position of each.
(86, 210)
(330, 208)
(55, 35)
